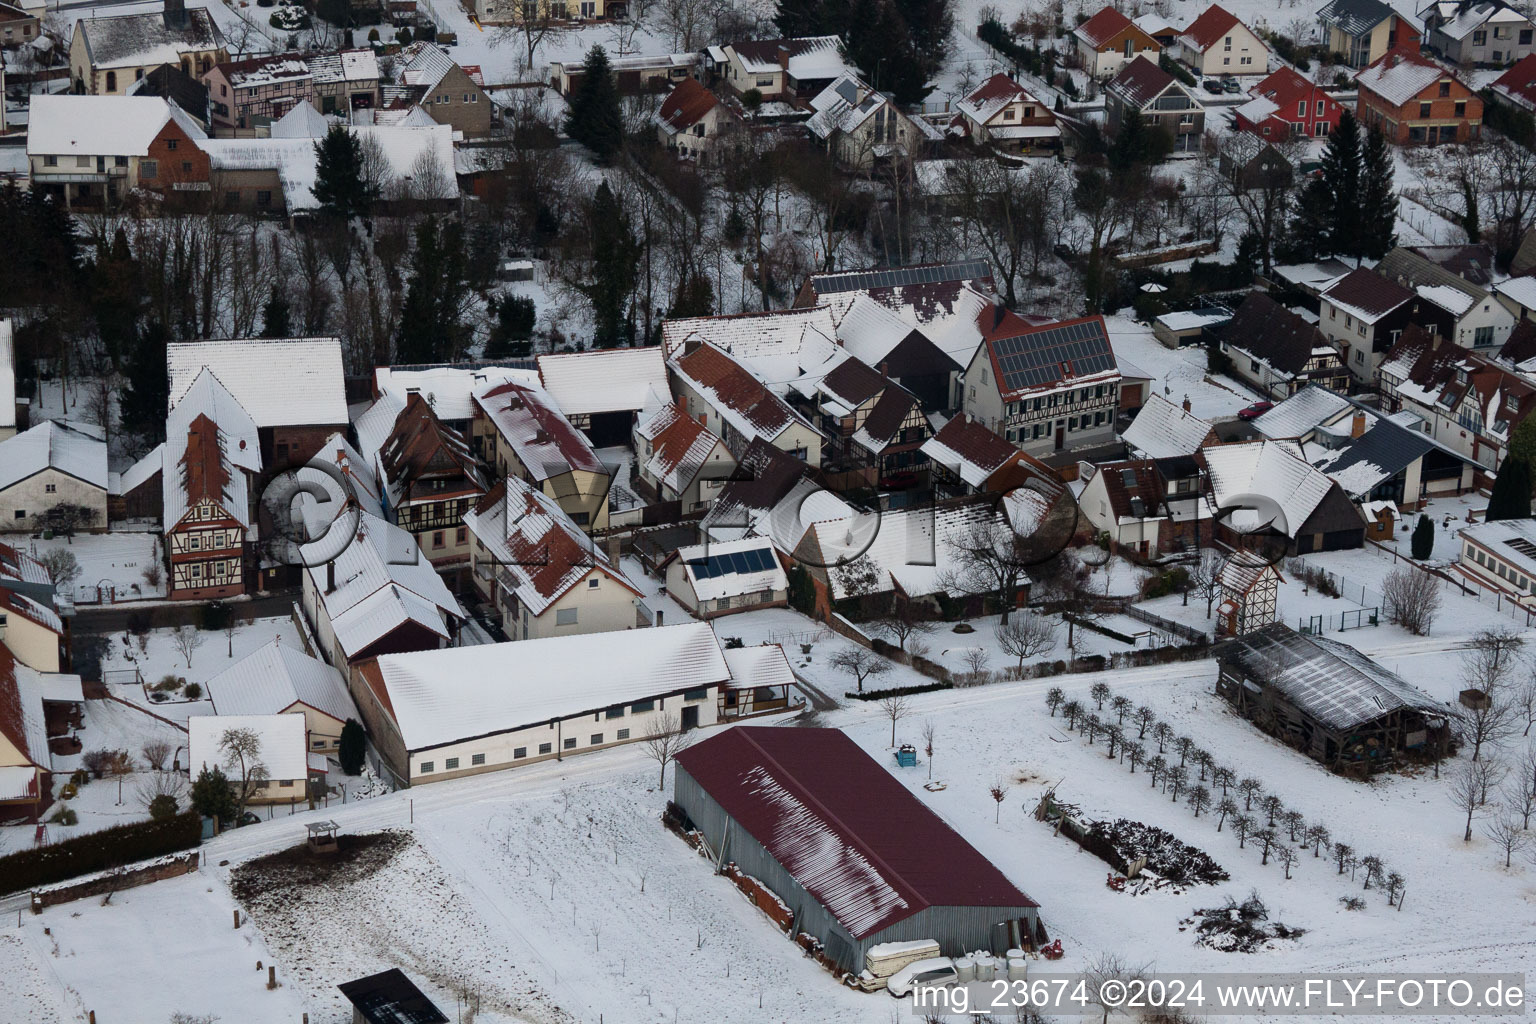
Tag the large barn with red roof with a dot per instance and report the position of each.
(854, 856)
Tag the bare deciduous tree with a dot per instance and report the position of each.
(976, 659)
(930, 734)
(861, 663)
(1027, 635)
(241, 749)
(895, 708)
(905, 621)
(666, 740)
(1412, 598)
(187, 639)
(999, 792)
(1463, 793)
(1287, 856)
(1508, 834)
(156, 753)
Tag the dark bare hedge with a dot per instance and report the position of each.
(99, 851)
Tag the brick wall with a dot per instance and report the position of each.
(181, 864)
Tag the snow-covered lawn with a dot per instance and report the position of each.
(114, 560)
(161, 657)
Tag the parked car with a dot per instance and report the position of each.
(1255, 410)
(935, 971)
(1230, 84)
(1211, 85)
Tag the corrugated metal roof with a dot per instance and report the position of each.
(854, 837)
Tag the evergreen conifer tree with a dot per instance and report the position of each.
(276, 321)
(352, 748)
(432, 326)
(1423, 543)
(1511, 497)
(615, 266)
(212, 797)
(1329, 218)
(1378, 198)
(147, 394)
(595, 119)
(339, 186)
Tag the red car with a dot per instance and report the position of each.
(1255, 410)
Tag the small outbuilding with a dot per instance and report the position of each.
(854, 856)
(389, 997)
(1328, 700)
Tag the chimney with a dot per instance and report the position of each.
(175, 13)
(1186, 403)
(783, 56)
(885, 368)
(330, 576)
(1358, 426)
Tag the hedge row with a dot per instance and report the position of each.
(898, 691)
(99, 851)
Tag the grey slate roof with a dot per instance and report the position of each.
(1354, 17)
(1380, 453)
(1408, 267)
(1329, 681)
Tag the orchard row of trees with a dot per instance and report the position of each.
(1185, 772)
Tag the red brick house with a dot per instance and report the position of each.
(1287, 104)
(1413, 99)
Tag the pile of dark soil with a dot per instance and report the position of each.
(1167, 855)
(271, 878)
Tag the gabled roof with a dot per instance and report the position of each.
(427, 64)
(909, 549)
(748, 335)
(882, 427)
(210, 444)
(967, 448)
(1214, 24)
(456, 693)
(761, 665)
(1354, 17)
(1269, 477)
(1458, 18)
(1265, 329)
(538, 550)
(1470, 261)
(62, 124)
(356, 65)
(143, 40)
(1330, 681)
(18, 566)
(739, 398)
(76, 449)
(421, 446)
(732, 568)
(1163, 430)
(1278, 94)
(21, 710)
(267, 69)
(273, 678)
(279, 381)
(1141, 81)
(680, 446)
(1519, 82)
(284, 743)
(1134, 488)
(809, 57)
(851, 834)
(1438, 284)
(1029, 360)
(382, 581)
(603, 380)
(989, 98)
(1103, 27)
(763, 476)
(1301, 413)
(1384, 449)
(1366, 294)
(1401, 75)
(685, 106)
(537, 431)
(31, 609)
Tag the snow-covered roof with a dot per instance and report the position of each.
(142, 471)
(536, 550)
(1330, 681)
(146, 40)
(739, 398)
(763, 665)
(842, 106)
(1400, 75)
(425, 64)
(910, 549)
(732, 568)
(1354, 17)
(210, 444)
(603, 380)
(1513, 540)
(450, 390)
(63, 124)
(808, 58)
(447, 695)
(1162, 430)
(968, 449)
(280, 381)
(989, 98)
(1366, 295)
(533, 425)
(680, 447)
(1464, 18)
(357, 65)
(844, 828)
(275, 677)
(1301, 412)
(1270, 478)
(284, 744)
(73, 448)
(747, 336)
(302, 122)
(382, 581)
(1520, 290)
(22, 720)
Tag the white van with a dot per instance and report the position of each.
(935, 971)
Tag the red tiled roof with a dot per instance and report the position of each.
(1210, 28)
(686, 105)
(1520, 80)
(736, 389)
(973, 442)
(1285, 87)
(1140, 81)
(13, 721)
(677, 439)
(854, 837)
(1102, 27)
(1368, 292)
(203, 465)
(543, 439)
(419, 445)
(854, 382)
